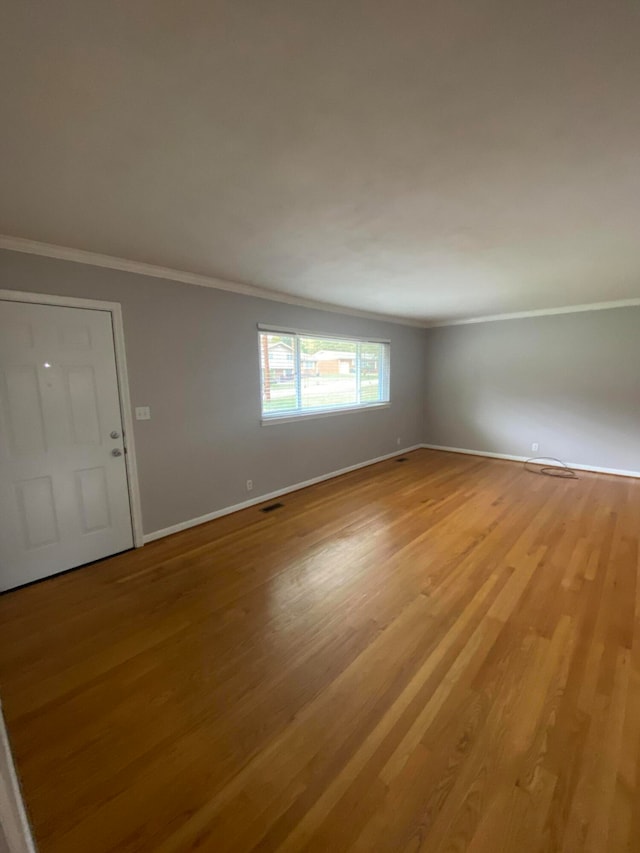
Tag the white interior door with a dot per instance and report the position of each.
(64, 498)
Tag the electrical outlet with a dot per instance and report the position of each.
(399, 441)
(143, 413)
(535, 447)
(249, 485)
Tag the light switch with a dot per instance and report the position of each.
(143, 413)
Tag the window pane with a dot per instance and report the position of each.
(328, 373)
(371, 372)
(277, 363)
(300, 374)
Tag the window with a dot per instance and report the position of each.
(304, 374)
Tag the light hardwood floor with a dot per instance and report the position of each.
(436, 655)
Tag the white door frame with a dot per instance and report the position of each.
(13, 815)
(115, 309)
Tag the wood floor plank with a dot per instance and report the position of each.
(435, 656)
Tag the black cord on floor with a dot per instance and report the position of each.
(561, 470)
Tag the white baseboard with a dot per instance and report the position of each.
(227, 510)
(509, 456)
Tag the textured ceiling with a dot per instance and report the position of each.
(430, 160)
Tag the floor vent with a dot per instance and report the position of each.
(402, 459)
(271, 507)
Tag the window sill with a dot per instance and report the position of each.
(317, 413)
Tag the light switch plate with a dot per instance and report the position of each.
(143, 413)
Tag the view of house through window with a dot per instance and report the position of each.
(301, 374)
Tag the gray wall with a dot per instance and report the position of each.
(570, 382)
(192, 356)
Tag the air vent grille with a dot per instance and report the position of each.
(271, 507)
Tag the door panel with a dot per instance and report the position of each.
(83, 404)
(38, 512)
(64, 497)
(93, 499)
(24, 409)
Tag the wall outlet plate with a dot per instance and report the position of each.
(535, 447)
(249, 485)
(143, 413)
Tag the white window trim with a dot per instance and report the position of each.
(306, 333)
(310, 414)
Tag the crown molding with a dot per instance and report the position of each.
(540, 312)
(81, 256)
